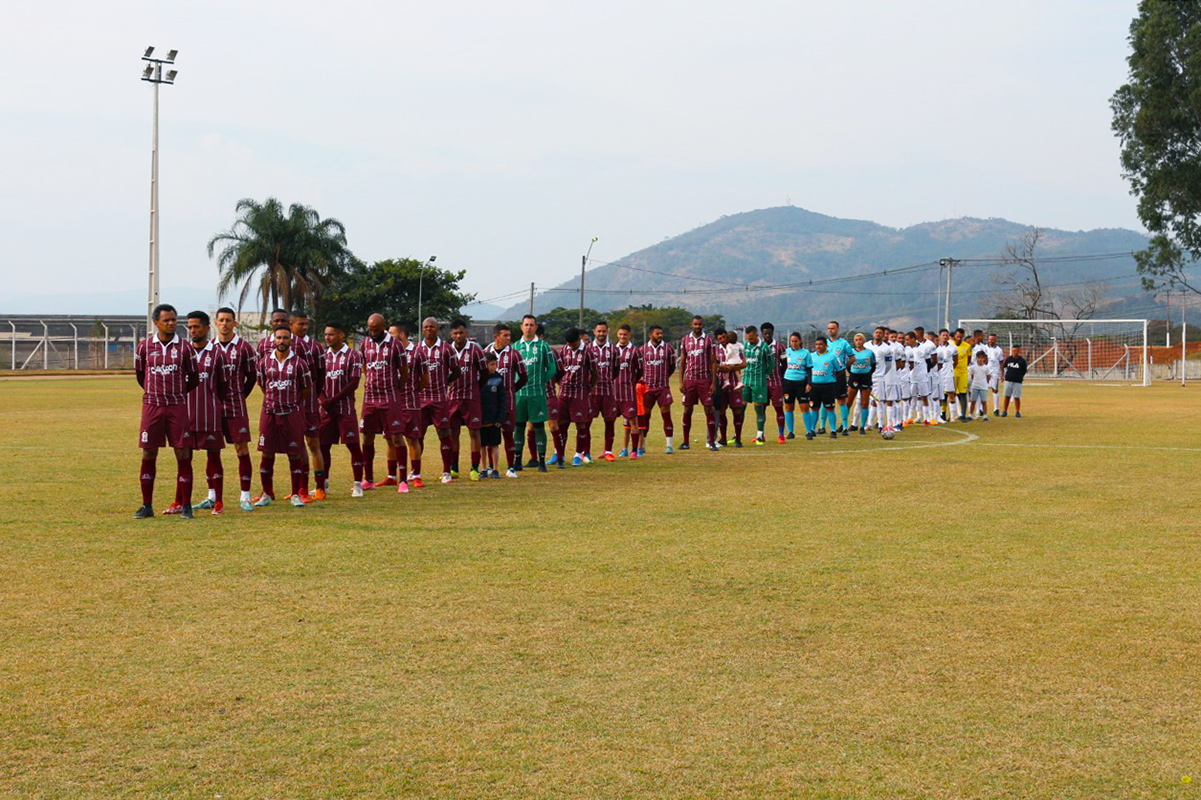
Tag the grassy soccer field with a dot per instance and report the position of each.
(1011, 609)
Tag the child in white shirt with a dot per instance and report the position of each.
(977, 385)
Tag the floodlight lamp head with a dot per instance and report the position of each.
(433, 259)
(171, 75)
(171, 54)
(146, 73)
(148, 52)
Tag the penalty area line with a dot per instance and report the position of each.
(967, 437)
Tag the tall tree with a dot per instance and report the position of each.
(390, 288)
(1157, 116)
(287, 259)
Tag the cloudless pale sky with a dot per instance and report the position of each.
(503, 137)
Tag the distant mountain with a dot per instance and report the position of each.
(790, 245)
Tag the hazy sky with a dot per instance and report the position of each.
(504, 136)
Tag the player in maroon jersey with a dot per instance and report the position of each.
(410, 410)
(204, 407)
(698, 378)
(511, 367)
(658, 365)
(286, 382)
(465, 397)
(603, 398)
(384, 373)
(627, 372)
(576, 380)
(311, 351)
(279, 319)
(341, 370)
(441, 369)
(775, 376)
(166, 372)
(239, 361)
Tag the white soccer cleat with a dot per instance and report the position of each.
(357, 490)
(510, 473)
(446, 477)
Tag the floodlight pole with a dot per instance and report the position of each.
(154, 75)
(420, 279)
(583, 266)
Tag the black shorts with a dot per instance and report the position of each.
(825, 394)
(794, 392)
(490, 436)
(859, 382)
(840, 386)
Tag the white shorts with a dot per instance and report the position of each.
(948, 382)
(994, 380)
(920, 386)
(935, 388)
(890, 392)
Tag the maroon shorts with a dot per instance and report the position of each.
(282, 433)
(410, 423)
(698, 392)
(604, 406)
(661, 397)
(552, 406)
(381, 418)
(436, 413)
(338, 428)
(775, 393)
(627, 409)
(163, 425)
(733, 397)
(465, 413)
(312, 422)
(207, 440)
(236, 429)
(576, 411)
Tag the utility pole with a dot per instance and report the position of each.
(531, 298)
(154, 74)
(949, 263)
(583, 265)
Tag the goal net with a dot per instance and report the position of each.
(1080, 349)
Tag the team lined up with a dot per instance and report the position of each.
(195, 393)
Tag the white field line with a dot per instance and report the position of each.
(892, 448)
(1094, 446)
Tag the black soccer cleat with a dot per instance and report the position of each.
(684, 446)
(542, 466)
(533, 462)
(810, 435)
(145, 512)
(562, 464)
(517, 467)
(833, 434)
(186, 512)
(737, 443)
(854, 427)
(790, 435)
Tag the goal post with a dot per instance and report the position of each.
(1112, 350)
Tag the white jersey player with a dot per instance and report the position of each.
(883, 379)
(995, 356)
(917, 351)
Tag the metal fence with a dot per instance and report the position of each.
(69, 342)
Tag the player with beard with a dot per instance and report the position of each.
(166, 372)
(311, 351)
(699, 356)
(511, 368)
(775, 376)
(239, 360)
(963, 358)
(836, 344)
(628, 371)
(441, 369)
(204, 408)
(465, 397)
(658, 363)
(341, 369)
(881, 402)
(286, 382)
(760, 359)
(279, 319)
(385, 374)
(603, 396)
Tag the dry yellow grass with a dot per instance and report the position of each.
(1017, 615)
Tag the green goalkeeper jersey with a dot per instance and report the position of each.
(539, 366)
(759, 359)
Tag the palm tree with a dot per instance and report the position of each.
(287, 260)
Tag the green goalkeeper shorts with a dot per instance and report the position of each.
(531, 409)
(754, 394)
